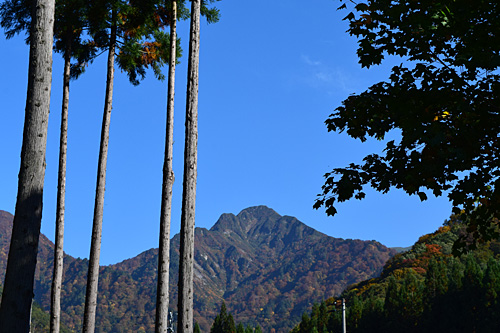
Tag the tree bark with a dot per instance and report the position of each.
(162, 293)
(18, 287)
(95, 247)
(185, 307)
(55, 297)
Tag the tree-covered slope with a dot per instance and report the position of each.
(268, 268)
(425, 289)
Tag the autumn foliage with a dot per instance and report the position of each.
(425, 289)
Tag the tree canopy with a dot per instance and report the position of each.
(69, 27)
(443, 100)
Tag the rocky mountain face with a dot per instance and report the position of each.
(268, 269)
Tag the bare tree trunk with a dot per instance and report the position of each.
(95, 247)
(162, 293)
(185, 307)
(55, 297)
(18, 286)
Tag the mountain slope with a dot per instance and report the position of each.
(425, 289)
(268, 268)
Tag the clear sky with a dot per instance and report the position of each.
(270, 74)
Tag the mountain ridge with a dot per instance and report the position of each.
(268, 268)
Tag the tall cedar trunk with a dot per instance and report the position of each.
(185, 307)
(95, 247)
(162, 294)
(18, 287)
(55, 296)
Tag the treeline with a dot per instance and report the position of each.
(423, 290)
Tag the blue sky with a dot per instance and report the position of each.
(270, 74)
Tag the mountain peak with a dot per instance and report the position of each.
(268, 268)
(258, 211)
(246, 220)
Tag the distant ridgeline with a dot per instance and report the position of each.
(269, 269)
(425, 289)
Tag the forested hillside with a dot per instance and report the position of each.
(425, 289)
(39, 317)
(268, 268)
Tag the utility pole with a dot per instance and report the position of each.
(344, 327)
(170, 327)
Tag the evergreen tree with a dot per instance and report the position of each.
(373, 319)
(335, 321)
(18, 286)
(322, 321)
(68, 27)
(117, 25)
(472, 287)
(223, 322)
(411, 301)
(436, 281)
(455, 274)
(392, 304)
(306, 324)
(354, 313)
(186, 265)
(162, 292)
(490, 297)
(174, 9)
(436, 286)
(69, 24)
